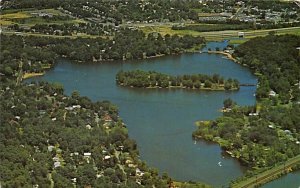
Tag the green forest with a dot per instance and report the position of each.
(152, 79)
(38, 52)
(48, 138)
(276, 60)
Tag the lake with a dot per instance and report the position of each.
(162, 120)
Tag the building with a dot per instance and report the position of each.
(87, 155)
(241, 34)
(272, 93)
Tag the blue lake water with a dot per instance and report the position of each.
(162, 120)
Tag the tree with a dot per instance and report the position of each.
(228, 103)
(86, 175)
(207, 84)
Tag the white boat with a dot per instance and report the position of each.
(219, 163)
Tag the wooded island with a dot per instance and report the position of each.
(152, 79)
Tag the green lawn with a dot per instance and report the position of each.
(238, 41)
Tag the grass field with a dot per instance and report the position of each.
(167, 29)
(8, 19)
(17, 15)
(25, 17)
(237, 41)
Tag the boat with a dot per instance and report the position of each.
(219, 163)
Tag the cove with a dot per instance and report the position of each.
(162, 120)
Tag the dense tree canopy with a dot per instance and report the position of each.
(257, 140)
(277, 59)
(152, 79)
(46, 133)
(39, 52)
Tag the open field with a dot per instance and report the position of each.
(167, 30)
(26, 17)
(237, 41)
(218, 35)
(17, 15)
(269, 174)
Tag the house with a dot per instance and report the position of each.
(106, 157)
(87, 155)
(241, 34)
(121, 147)
(272, 93)
(56, 159)
(76, 106)
(107, 118)
(74, 180)
(287, 132)
(57, 164)
(50, 148)
(253, 114)
(69, 108)
(139, 172)
(298, 50)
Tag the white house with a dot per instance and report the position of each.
(272, 93)
(87, 155)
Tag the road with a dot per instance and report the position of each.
(247, 34)
(212, 35)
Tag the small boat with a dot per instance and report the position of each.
(219, 163)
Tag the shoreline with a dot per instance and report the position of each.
(228, 55)
(179, 87)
